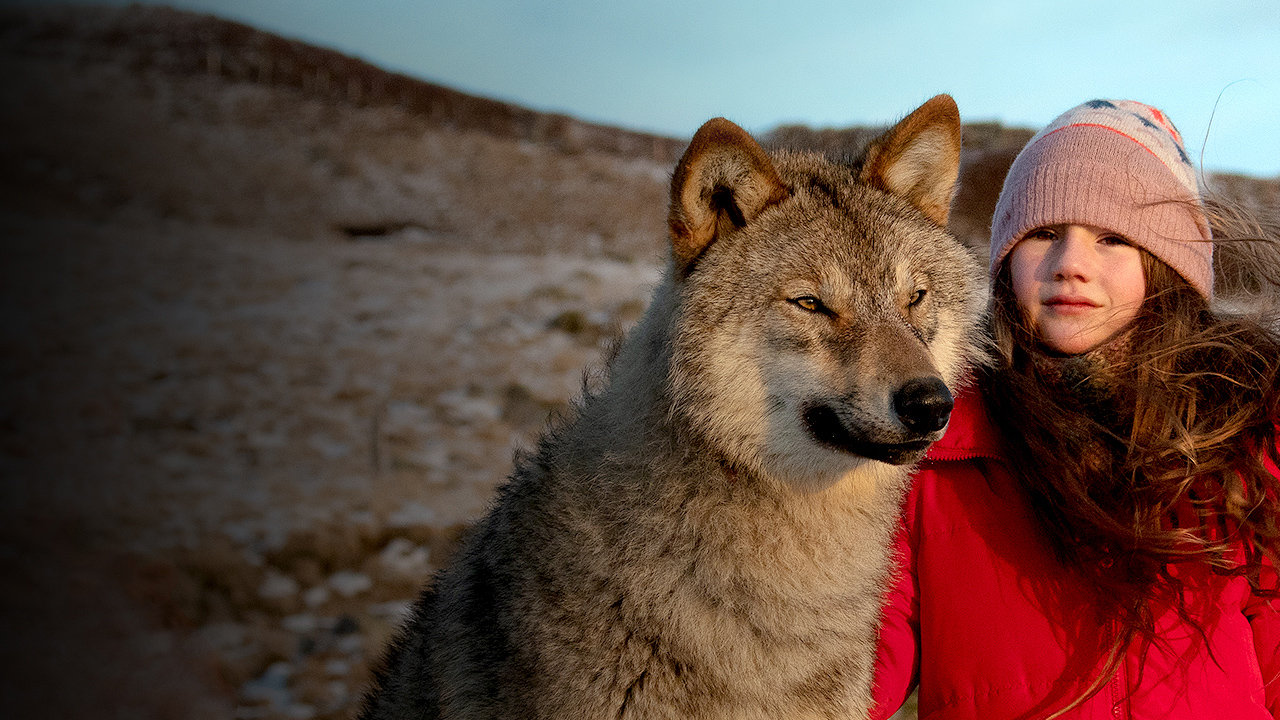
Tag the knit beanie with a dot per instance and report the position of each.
(1114, 164)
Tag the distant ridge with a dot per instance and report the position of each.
(179, 42)
(188, 48)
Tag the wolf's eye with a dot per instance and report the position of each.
(810, 303)
(917, 297)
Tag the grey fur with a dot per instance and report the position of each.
(686, 546)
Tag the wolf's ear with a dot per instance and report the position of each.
(919, 158)
(722, 182)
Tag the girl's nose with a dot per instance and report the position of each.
(1076, 256)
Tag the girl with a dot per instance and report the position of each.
(1097, 534)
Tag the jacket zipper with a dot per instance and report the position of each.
(958, 454)
(1120, 682)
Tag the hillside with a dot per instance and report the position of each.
(242, 127)
(274, 321)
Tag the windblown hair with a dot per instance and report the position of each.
(1247, 251)
(1159, 444)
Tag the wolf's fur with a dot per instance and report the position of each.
(707, 538)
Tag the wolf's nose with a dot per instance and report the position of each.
(923, 405)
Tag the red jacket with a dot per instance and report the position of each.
(992, 627)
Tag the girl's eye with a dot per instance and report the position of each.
(917, 297)
(1112, 240)
(810, 303)
(1041, 234)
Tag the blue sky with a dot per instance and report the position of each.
(668, 65)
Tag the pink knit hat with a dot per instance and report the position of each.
(1114, 164)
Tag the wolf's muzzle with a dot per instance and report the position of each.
(923, 407)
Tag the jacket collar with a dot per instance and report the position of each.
(970, 433)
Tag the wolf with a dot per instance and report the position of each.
(707, 536)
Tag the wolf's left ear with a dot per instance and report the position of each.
(919, 158)
(723, 181)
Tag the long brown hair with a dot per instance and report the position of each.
(1151, 457)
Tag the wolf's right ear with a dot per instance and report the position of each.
(919, 158)
(723, 181)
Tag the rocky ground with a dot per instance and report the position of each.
(270, 445)
(264, 353)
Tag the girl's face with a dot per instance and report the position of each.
(1078, 285)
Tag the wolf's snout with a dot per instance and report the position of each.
(923, 405)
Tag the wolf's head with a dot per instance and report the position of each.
(825, 314)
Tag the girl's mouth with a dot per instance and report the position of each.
(1068, 301)
(1070, 304)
